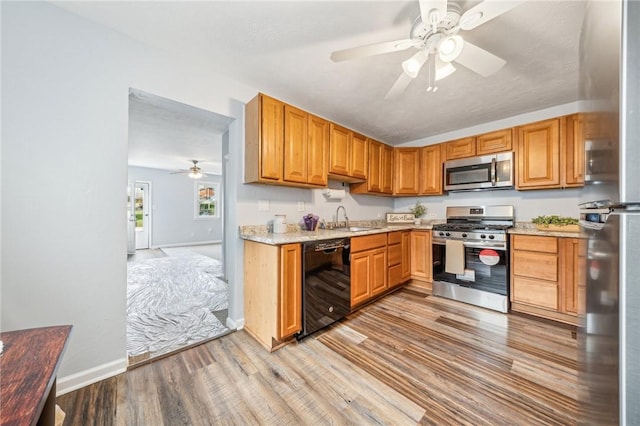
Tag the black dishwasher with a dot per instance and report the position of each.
(326, 284)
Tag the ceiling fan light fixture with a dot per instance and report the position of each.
(412, 66)
(449, 48)
(195, 173)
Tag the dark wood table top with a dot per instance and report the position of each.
(28, 367)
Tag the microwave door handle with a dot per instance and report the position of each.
(494, 167)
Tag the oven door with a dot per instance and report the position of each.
(486, 267)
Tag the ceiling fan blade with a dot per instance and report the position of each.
(433, 11)
(371, 49)
(486, 11)
(479, 60)
(399, 86)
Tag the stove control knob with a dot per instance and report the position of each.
(483, 236)
(491, 237)
(447, 234)
(441, 234)
(464, 235)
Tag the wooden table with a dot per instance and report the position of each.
(28, 367)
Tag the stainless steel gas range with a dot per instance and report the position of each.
(471, 256)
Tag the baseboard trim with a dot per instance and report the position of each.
(87, 377)
(199, 243)
(235, 324)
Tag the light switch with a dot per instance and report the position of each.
(263, 205)
(300, 206)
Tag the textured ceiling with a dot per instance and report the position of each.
(283, 49)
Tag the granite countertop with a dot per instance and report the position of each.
(262, 234)
(528, 228)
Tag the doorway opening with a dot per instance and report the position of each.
(177, 293)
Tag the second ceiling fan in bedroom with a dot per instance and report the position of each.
(435, 35)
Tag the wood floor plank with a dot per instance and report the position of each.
(409, 358)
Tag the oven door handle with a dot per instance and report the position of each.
(483, 244)
(494, 170)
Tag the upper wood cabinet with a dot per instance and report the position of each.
(284, 145)
(348, 154)
(380, 171)
(430, 182)
(460, 148)
(318, 151)
(264, 134)
(538, 152)
(407, 169)
(550, 153)
(573, 151)
(491, 143)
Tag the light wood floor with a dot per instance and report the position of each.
(408, 359)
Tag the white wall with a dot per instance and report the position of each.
(172, 208)
(65, 88)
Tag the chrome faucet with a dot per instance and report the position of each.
(346, 219)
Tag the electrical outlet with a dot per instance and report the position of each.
(300, 206)
(263, 205)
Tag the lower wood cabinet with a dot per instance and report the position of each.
(421, 256)
(546, 276)
(398, 257)
(272, 292)
(368, 267)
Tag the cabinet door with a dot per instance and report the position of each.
(387, 169)
(421, 265)
(360, 277)
(359, 156)
(340, 150)
(571, 264)
(290, 291)
(574, 151)
(378, 270)
(430, 170)
(271, 138)
(374, 178)
(539, 155)
(461, 148)
(406, 255)
(295, 144)
(318, 151)
(490, 143)
(407, 165)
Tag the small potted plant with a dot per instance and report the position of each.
(418, 211)
(556, 223)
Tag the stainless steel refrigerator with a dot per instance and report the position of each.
(609, 333)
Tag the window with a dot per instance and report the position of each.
(207, 196)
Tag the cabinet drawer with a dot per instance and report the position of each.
(368, 242)
(394, 237)
(394, 256)
(535, 292)
(543, 266)
(535, 243)
(395, 275)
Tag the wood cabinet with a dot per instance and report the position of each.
(494, 142)
(284, 145)
(272, 292)
(380, 171)
(460, 148)
(398, 257)
(407, 169)
(546, 276)
(368, 267)
(348, 154)
(430, 181)
(550, 153)
(421, 255)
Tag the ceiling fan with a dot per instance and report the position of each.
(435, 34)
(194, 171)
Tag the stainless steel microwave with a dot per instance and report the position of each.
(479, 173)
